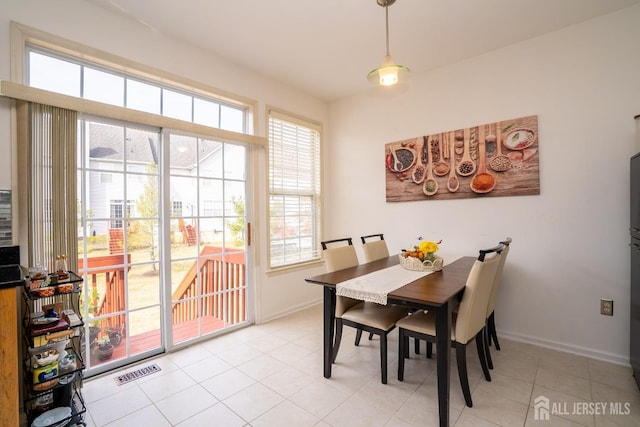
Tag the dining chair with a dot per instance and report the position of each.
(374, 249)
(368, 316)
(490, 329)
(468, 323)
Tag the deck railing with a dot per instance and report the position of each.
(113, 269)
(222, 274)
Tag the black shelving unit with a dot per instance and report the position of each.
(56, 385)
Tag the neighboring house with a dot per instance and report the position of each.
(109, 148)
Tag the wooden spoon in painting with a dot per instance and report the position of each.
(500, 162)
(430, 186)
(466, 166)
(419, 172)
(483, 182)
(441, 168)
(452, 182)
(397, 164)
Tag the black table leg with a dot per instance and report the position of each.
(329, 320)
(443, 356)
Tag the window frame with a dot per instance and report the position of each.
(164, 107)
(316, 195)
(21, 35)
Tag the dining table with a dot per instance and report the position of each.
(435, 291)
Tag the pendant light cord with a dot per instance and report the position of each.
(386, 12)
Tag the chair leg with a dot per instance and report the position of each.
(401, 353)
(370, 336)
(416, 344)
(487, 340)
(492, 330)
(358, 336)
(338, 338)
(461, 358)
(482, 354)
(429, 349)
(405, 343)
(383, 357)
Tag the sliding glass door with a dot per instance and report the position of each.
(162, 248)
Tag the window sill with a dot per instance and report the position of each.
(294, 267)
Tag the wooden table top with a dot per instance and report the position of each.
(434, 289)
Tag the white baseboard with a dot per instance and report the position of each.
(290, 310)
(617, 359)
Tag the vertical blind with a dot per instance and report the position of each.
(52, 186)
(294, 190)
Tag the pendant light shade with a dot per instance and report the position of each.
(388, 73)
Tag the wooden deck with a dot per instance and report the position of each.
(152, 339)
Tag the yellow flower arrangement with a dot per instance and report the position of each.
(428, 247)
(424, 251)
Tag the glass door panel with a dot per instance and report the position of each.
(119, 245)
(208, 265)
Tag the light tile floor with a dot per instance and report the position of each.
(271, 375)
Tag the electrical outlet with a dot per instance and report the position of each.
(606, 307)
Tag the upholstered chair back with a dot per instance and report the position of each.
(472, 314)
(496, 283)
(375, 250)
(339, 258)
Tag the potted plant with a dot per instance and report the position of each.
(105, 349)
(115, 335)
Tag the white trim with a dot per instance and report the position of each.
(290, 310)
(294, 118)
(617, 359)
(26, 93)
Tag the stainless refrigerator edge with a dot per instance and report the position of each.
(634, 245)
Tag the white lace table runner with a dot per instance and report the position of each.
(374, 287)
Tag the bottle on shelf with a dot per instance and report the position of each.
(62, 269)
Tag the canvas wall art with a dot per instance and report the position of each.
(489, 160)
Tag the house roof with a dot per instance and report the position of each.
(327, 47)
(111, 142)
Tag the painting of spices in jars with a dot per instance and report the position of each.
(488, 160)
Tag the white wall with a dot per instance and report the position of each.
(570, 245)
(85, 23)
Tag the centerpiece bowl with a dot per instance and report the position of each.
(422, 258)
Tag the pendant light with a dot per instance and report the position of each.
(388, 73)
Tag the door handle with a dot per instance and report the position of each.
(248, 234)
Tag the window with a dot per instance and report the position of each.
(294, 190)
(116, 210)
(176, 208)
(55, 72)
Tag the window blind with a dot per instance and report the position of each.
(294, 190)
(52, 185)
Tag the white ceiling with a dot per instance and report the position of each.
(327, 47)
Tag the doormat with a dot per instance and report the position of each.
(138, 373)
